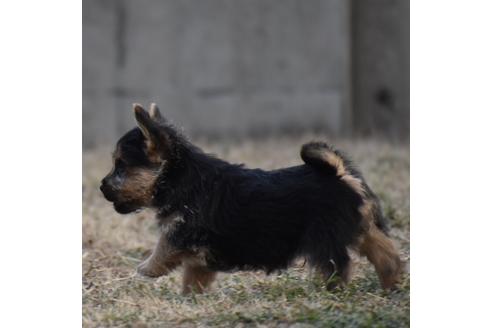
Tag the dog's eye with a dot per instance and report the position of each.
(119, 166)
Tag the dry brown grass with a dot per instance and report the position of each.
(113, 245)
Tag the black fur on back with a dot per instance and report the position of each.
(250, 219)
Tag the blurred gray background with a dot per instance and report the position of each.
(248, 68)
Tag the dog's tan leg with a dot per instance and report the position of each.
(163, 259)
(196, 278)
(381, 252)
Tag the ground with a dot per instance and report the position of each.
(113, 245)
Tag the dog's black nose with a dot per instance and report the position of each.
(107, 190)
(104, 183)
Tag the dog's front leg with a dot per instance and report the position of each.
(163, 259)
(196, 278)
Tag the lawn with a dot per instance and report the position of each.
(113, 245)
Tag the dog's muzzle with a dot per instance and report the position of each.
(108, 191)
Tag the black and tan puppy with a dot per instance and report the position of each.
(217, 216)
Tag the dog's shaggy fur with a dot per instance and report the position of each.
(218, 216)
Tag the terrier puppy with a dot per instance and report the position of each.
(217, 216)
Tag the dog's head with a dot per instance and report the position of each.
(138, 160)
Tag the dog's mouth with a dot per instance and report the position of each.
(125, 208)
(108, 193)
(122, 207)
(110, 197)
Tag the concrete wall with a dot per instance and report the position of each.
(222, 67)
(381, 68)
(216, 67)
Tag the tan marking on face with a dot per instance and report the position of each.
(139, 185)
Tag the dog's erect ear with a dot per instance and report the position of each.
(158, 142)
(148, 126)
(154, 112)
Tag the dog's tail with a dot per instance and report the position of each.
(323, 156)
(374, 241)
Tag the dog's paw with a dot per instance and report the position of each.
(151, 269)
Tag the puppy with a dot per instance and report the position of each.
(217, 216)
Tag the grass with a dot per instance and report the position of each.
(113, 245)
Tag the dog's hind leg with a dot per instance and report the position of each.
(336, 273)
(330, 260)
(196, 278)
(380, 251)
